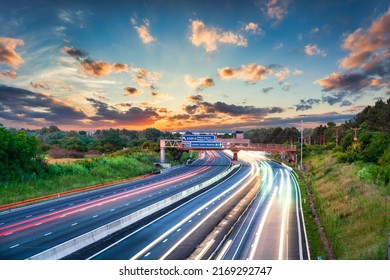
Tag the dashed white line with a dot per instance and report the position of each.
(112, 210)
(51, 210)
(147, 254)
(126, 204)
(179, 230)
(74, 224)
(165, 240)
(46, 234)
(37, 224)
(25, 217)
(139, 199)
(16, 245)
(9, 233)
(190, 221)
(95, 216)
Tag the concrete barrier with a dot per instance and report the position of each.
(79, 242)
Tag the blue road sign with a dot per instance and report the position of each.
(206, 144)
(204, 138)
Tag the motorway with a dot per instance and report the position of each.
(176, 234)
(27, 231)
(272, 227)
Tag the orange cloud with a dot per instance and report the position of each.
(226, 73)
(199, 84)
(131, 91)
(210, 37)
(7, 52)
(8, 74)
(362, 44)
(143, 31)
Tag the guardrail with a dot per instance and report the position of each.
(95, 235)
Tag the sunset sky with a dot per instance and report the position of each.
(200, 65)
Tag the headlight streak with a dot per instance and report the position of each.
(52, 216)
(265, 192)
(285, 217)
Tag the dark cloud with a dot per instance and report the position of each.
(306, 104)
(133, 116)
(229, 109)
(131, 91)
(34, 108)
(195, 98)
(94, 67)
(267, 89)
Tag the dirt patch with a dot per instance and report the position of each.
(62, 160)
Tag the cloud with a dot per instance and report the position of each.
(306, 104)
(347, 82)
(314, 50)
(267, 89)
(195, 98)
(131, 91)
(8, 55)
(210, 37)
(368, 63)
(27, 107)
(73, 17)
(363, 45)
(199, 84)
(8, 74)
(145, 78)
(227, 73)
(94, 67)
(253, 28)
(143, 31)
(250, 73)
(203, 107)
(275, 9)
(133, 116)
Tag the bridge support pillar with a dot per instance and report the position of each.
(235, 156)
(162, 151)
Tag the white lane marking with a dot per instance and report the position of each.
(16, 245)
(139, 199)
(95, 216)
(37, 224)
(74, 224)
(190, 221)
(147, 254)
(51, 210)
(112, 210)
(126, 204)
(28, 216)
(179, 230)
(46, 234)
(9, 233)
(165, 240)
(70, 204)
(1, 224)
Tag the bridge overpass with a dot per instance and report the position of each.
(235, 145)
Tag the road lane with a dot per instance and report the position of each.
(176, 234)
(272, 227)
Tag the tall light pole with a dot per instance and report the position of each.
(301, 143)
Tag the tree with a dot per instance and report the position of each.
(152, 134)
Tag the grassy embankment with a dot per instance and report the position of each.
(72, 175)
(354, 212)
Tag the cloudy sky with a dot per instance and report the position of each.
(215, 65)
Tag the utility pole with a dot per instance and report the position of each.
(301, 143)
(355, 136)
